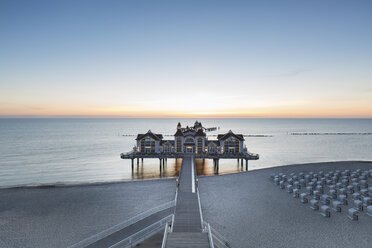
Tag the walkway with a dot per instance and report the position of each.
(187, 229)
(131, 229)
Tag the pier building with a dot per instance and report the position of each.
(191, 140)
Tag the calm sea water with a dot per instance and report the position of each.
(49, 151)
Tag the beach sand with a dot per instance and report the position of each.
(247, 208)
(62, 216)
(250, 211)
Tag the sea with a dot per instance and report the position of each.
(59, 151)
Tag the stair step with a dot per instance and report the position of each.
(187, 239)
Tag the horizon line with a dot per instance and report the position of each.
(175, 117)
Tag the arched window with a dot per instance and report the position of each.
(189, 140)
(167, 147)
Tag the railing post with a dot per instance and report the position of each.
(211, 245)
(165, 236)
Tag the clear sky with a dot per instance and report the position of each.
(186, 58)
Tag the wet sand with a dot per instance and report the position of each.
(62, 216)
(250, 211)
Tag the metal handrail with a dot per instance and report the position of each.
(117, 227)
(200, 211)
(166, 230)
(219, 240)
(145, 233)
(211, 245)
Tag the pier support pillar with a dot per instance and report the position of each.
(218, 164)
(132, 163)
(241, 162)
(238, 161)
(142, 160)
(246, 164)
(137, 161)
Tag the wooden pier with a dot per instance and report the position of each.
(187, 226)
(133, 155)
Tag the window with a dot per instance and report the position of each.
(231, 145)
(167, 147)
(148, 145)
(179, 145)
(212, 148)
(200, 145)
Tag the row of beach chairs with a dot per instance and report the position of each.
(326, 191)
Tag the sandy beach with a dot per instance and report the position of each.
(62, 216)
(246, 208)
(250, 211)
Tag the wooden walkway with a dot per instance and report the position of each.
(187, 229)
(131, 229)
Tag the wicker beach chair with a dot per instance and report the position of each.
(325, 211)
(319, 188)
(367, 201)
(317, 195)
(332, 186)
(304, 198)
(276, 181)
(336, 206)
(363, 184)
(356, 186)
(333, 194)
(369, 211)
(356, 196)
(309, 190)
(342, 191)
(289, 188)
(358, 204)
(364, 192)
(302, 182)
(350, 189)
(296, 193)
(314, 204)
(352, 214)
(297, 185)
(343, 199)
(325, 199)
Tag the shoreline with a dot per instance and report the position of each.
(98, 183)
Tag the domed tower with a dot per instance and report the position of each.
(179, 125)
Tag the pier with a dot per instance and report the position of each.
(181, 220)
(187, 229)
(191, 141)
(243, 157)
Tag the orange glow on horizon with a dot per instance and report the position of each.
(142, 112)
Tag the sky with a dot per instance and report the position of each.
(186, 58)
